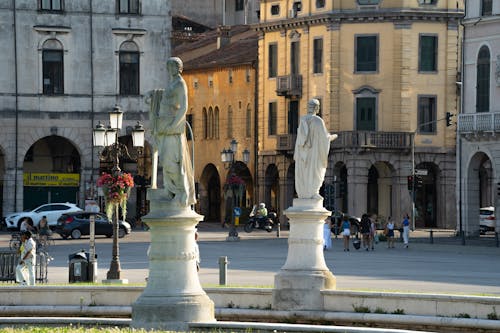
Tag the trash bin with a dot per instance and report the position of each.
(79, 267)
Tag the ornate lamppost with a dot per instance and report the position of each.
(228, 158)
(107, 138)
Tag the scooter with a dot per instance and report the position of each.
(255, 222)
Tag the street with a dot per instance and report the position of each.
(257, 257)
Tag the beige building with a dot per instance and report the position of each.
(385, 73)
(220, 72)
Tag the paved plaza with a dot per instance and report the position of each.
(442, 267)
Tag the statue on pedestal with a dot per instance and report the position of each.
(311, 153)
(167, 114)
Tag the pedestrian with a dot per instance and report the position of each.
(43, 229)
(25, 270)
(389, 233)
(327, 235)
(26, 225)
(365, 231)
(406, 230)
(346, 232)
(373, 232)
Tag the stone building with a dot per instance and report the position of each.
(65, 65)
(385, 73)
(478, 145)
(220, 72)
(214, 13)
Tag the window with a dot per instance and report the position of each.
(318, 55)
(427, 2)
(320, 3)
(210, 123)
(427, 61)
(230, 76)
(368, 2)
(54, 5)
(366, 54)
(239, 5)
(293, 117)
(426, 114)
(294, 57)
(205, 123)
(486, 7)
(365, 113)
(195, 84)
(273, 60)
(273, 118)
(483, 80)
(215, 132)
(249, 122)
(210, 81)
(53, 68)
(129, 69)
(230, 122)
(247, 75)
(128, 6)
(275, 9)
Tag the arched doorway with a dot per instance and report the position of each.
(271, 192)
(51, 172)
(210, 194)
(426, 195)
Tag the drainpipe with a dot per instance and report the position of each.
(16, 106)
(459, 139)
(256, 132)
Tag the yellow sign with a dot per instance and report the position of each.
(51, 179)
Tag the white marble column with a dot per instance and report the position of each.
(173, 296)
(299, 283)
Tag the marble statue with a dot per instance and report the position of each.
(167, 114)
(311, 153)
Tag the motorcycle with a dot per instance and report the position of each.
(263, 223)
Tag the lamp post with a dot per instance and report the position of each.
(108, 138)
(228, 158)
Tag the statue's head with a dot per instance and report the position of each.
(313, 106)
(175, 63)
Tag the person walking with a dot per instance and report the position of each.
(389, 232)
(327, 235)
(373, 232)
(25, 270)
(346, 232)
(365, 231)
(406, 230)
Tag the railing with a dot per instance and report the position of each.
(375, 140)
(356, 139)
(478, 122)
(289, 85)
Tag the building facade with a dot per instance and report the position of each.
(66, 65)
(220, 72)
(478, 145)
(213, 13)
(385, 73)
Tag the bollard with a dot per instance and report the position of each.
(222, 270)
(278, 230)
(431, 236)
(463, 237)
(496, 238)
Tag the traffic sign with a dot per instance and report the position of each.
(421, 172)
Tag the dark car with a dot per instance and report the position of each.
(77, 224)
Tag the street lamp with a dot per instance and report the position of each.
(228, 158)
(108, 138)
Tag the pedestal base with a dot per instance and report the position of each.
(301, 290)
(299, 283)
(171, 313)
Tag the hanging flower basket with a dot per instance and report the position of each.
(116, 191)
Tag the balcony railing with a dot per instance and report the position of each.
(356, 140)
(470, 123)
(289, 85)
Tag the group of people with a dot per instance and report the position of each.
(368, 230)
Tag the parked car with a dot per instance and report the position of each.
(77, 224)
(52, 210)
(487, 221)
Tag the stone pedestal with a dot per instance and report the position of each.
(173, 296)
(299, 283)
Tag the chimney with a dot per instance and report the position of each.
(223, 36)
